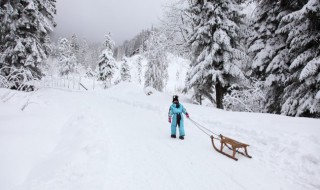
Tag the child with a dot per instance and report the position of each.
(175, 113)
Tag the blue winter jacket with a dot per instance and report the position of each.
(174, 111)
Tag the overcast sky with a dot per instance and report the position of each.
(92, 19)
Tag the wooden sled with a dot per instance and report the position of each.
(232, 145)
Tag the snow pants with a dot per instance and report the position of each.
(177, 122)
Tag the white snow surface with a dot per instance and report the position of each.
(119, 138)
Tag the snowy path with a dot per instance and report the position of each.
(119, 139)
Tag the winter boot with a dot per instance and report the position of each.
(173, 136)
(181, 137)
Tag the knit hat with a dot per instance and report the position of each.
(175, 98)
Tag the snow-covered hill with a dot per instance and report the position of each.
(120, 139)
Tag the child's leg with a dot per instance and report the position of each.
(181, 130)
(173, 129)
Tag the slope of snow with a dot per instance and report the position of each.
(119, 139)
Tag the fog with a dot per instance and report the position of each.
(92, 19)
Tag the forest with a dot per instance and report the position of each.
(245, 55)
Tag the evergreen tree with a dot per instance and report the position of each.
(176, 26)
(153, 76)
(94, 52)
(215, 44)
(24, 38)
(125, 71)
(302, 28)
(128, 48)
(157, 72)
(139, 69)
(90, 72)
(74, 44)
(285, 51)
(106, 65)
(84, 53)
(66, 58)
(269, 51)
(203, 90)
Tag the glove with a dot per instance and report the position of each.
(187, 115)
(169, 119)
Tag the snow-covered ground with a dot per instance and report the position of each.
(119, 138)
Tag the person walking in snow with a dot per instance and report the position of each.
(176, 117)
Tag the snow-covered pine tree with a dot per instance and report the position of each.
(269, 51)
(157, 72)
(203, 90)
(109, 43)
(176, 27)
(302, 28)
(107, 64)
(94, 51)
(24, 38)
(131, 47)
(216, 49)
(90, 73)
(125, 71)
(139, 67)
(248, 98)
(66, 59)
(84, 53)
(74, 44)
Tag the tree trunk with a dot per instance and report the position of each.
(219, 95)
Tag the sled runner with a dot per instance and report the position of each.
(232, 145)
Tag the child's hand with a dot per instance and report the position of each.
(187, 115)
(169, 119)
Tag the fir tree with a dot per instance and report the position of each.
(302, 28)
(24, 37)
(157, 73)
(66, 58)
(175, 25)
(106, 65)
(285, 49)
(83, 54)
(215, 44)
(125, 71)
(74, 44)
(269, 51)
(139, 69)
(90, 72)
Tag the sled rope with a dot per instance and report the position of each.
(204, 129)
